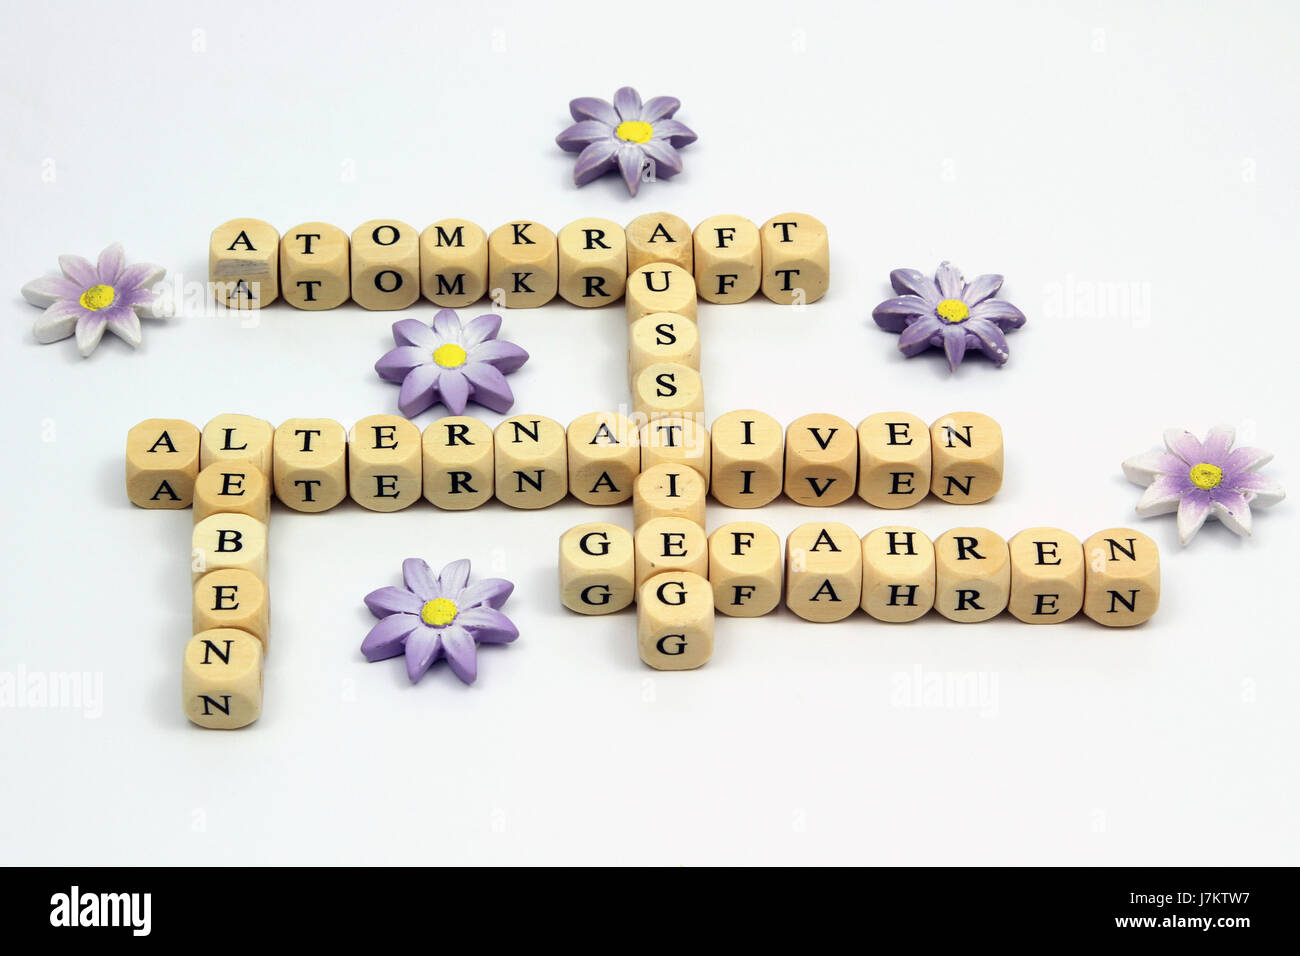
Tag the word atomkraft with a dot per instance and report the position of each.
(76, 908)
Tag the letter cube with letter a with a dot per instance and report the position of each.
(244, 264)
(221, 679)
(674, 621)
(162, 461)
(659, 237)
(1121, 578)
(596, 568)
(823, 571)
(604, 457)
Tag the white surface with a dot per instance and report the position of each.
(1080, 151)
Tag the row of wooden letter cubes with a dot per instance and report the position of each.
(386, 264)
(666, 466)
(679, 577)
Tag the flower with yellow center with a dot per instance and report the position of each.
(952, 311)
(450, 355)
(1206, 476)
(439, 612)
(634, 131)
(98, 297)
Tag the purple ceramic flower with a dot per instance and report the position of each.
(949, 313)
(626, 133)
(1202, 479)
(437, 617)
(451, 363)
(88, 299)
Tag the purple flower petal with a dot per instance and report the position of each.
(386, 638)
(415, 332)
(1005, 314)
(493, 592)
(677, 133)
(1185, 445)
(990, 338)
(423, 646)
(489, 387)
(393, 600)
(1161, 497)
(90, 329)
(668, 162)
(58, 321)
(420, 389)
(1233, 511)
(111, 262)
(1263, 491)
(575, 138)
(47, 290)
(480, 329)
(1147, 467)
(419, 579)
(592, 108)
(453, 578)
(79, 271)
(1192, 512)
(1246, 459)
(141, 276)
(446, 324)
(595, 161)
(505, 356)
(135, 297)
(954, 345)
(980, 288)
(125, 324)
(893, 314)
(631, 158)
(461, 652)
(627, 104)
(949, 280)
(1217, 444)
(395, 364)
(910, 281)
(659, 107)
(453, 389)
(488, 625)
(916, 338)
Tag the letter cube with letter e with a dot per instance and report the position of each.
(796, 259)
(221, 678)
(459, 463)
(821, 460)
(315, 267)
(385, 265)
(228, 541)
(728, 259)
(1046, 576)
(660, 237)
(965, 458)
(670, 544)
(748, 459)
(232, 486)
(745, 569)
(972, 570)
(310, 464)
(232, 597)
(384, 463)
(1122, 577)
(244, 264)
(592, 262)
(897, 574)
(674, 621)
(532, 468)
(893, 460)
(453, 263)
(162, 461)
(823, 572)
(597, 568)
(523, 265)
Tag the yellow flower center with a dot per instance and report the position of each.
(634, 131)
(449, 355)
(438, 613)
(953, 310)
(1206, 476)
(98, 297)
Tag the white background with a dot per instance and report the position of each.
(1130, 169)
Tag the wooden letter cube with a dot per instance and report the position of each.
(228, 541)
(593, 262)
(728, 259)
(310, 464)
(965, 458)
(662, 337)
(897, 574)
(531, 466)
(823, 571)
(821, 460)
(893, 460)
(669, 491)
(679, 440)
(1122, 577)
(745, 569)
(162, 461)
(597, 568)
(384, 463)
(523, 265)
(660, 237)
(748, 459)
(604, 458)
(221, 679)
(796, 259)
(459, 463)
(315, 267)
(232, 487)
(661, 287)
(670, 544)
(237, 438)
(244, 264)
(453, 263)
(385, 265)
(668, 389)
(1046, 576)
(232, 598)
(674, 621)
(972, 570)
